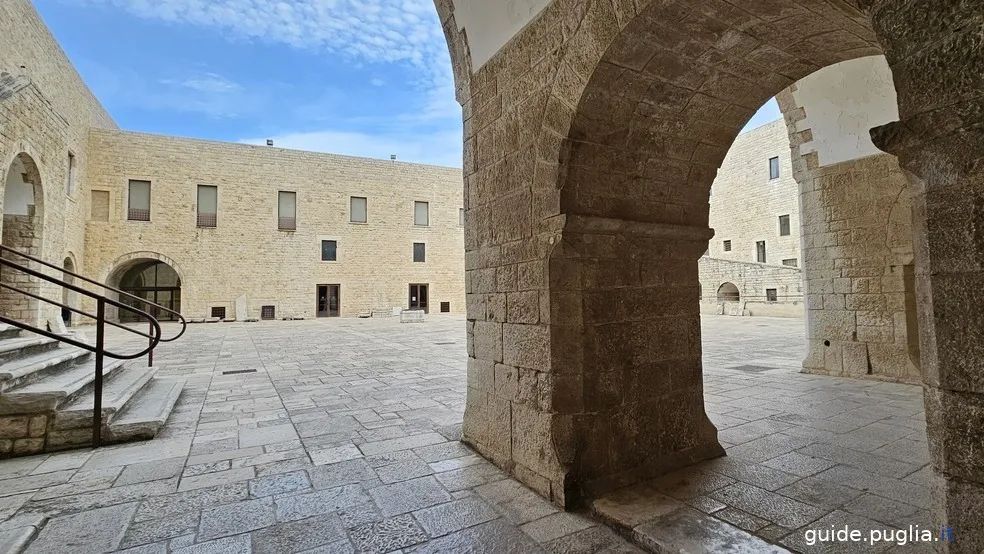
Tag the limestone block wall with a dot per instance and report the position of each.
(746, 203)
(46, 111)
(858, 253)
(246, 254)
(752, 280)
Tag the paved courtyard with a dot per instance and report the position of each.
(345, 439)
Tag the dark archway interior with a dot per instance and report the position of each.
(154, 281)
(728, 292)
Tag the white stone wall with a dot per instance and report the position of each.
(752, 280)
(746, 203)
(246, 254)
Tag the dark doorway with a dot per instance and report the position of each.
(328, 300)
(418, 297)
(154, 281)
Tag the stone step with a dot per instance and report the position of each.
(9, 331)
(21, 371)
(145, 413)
(56, 390)
(11, 349)
(658, 523)
(117, 392)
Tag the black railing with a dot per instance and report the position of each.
(99, 349)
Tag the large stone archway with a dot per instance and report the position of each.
(591, 140)
(23, 231)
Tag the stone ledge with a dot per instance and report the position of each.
(609, 226)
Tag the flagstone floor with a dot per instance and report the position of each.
(345, 439)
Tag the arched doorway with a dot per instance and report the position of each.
(152, 280)
(23, 215)
(728, 292)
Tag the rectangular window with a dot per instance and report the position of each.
(771, 295)
(218, 311)
(70, 183)
(358, 210)
(791, 262)
(329, 251)
(760, 251)
(418, 252)
(420, 216)
(461, 217)
(774, 168)
(208, 204)
(727, 246)
(100, 205)
(287, 211)
(445, 307)
(139, 201)
(268, 312)
(784, 226)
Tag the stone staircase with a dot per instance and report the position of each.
(46, 396)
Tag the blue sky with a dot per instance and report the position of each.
(358, 77)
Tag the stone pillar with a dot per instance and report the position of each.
(938, 66)
(626, 352)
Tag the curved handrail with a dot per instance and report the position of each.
(184, 322)
(155, 339)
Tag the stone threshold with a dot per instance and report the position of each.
(657, 523)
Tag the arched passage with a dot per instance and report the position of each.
(591, 139)
(23, 229)
(152, 280)
(728, 292)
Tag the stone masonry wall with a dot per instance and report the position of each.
(246, 253)
(752, 280)
(46, 111)
(746, 204)
(858, 262)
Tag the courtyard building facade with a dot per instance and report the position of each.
(211, 230)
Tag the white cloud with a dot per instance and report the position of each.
(437, 148)
(377, 82)
(208, 83)
(363, 31)
(205, 93)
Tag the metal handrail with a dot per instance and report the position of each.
(154, 335)
(184, 323)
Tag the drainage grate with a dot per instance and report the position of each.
(234, 371)
(751, 368)
(443, 343)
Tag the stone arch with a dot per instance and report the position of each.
(23, 230)
(659, 98)
(560, 125)
(167, 292)
(728, 292)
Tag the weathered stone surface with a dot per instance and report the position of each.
(97, 530)
(687, 530)
(447, 518)
(232, 519)
(298, 536)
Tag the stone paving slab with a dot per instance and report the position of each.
(346, 440)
